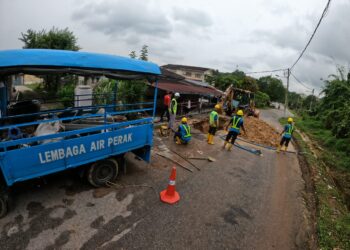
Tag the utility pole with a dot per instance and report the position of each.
(286, 96)
(312, 96)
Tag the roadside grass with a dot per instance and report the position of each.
(333, 217)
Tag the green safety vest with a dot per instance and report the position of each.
(212, 118)
(173, 106)
(187, 130)
(289, 131)
(235, 122)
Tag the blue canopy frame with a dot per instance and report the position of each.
(116, 136)
(49, 61)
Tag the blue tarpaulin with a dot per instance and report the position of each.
(73, 59)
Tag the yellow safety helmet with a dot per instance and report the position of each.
(240, 112)
(184, 120)
(290, 119)
(217, 106)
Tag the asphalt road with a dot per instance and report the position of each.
(241, 201)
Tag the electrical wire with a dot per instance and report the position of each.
(313, 34)
(300, 81)
(265, 71)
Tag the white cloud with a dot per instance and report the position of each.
(253, 34)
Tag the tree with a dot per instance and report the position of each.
(53, 39)
(296, 101)
(334, 108)
(273, 87)
(144, 53)
(261, 99)
(132, 54)
(224, 80)
(249, 83)
(133, 91)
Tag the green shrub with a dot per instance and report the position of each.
(103, 92)
(261, 99)
(66, 94)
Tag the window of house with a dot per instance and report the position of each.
(198, 75)
(188, 73)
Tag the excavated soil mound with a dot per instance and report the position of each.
(258, 131)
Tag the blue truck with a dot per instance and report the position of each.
(84, 137)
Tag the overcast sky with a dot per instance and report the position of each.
(250, 35)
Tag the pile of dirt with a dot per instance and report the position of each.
(260, 132)
(203, 124)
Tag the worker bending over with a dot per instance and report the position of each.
(235, 124)
(213, 124)
(183, 134)
(287, 135)
(173, 110)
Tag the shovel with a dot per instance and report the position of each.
(209, 158)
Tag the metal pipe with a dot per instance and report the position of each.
(155, 100)
(115, 89)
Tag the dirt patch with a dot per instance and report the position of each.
(101, 192)
(258, 131)
(309, 176)
(203, 124)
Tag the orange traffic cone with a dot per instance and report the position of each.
(170, 195)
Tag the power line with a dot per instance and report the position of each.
(265, 71)
(299, 81)
(313, 34)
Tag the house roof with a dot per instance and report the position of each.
(198, 83)
(185, 67)
(186, 88)
(167, 74)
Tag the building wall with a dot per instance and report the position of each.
(29, 79)
(192, 74)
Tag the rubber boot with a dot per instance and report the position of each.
(208, 137)
(224, 147)
(229, 148)
(285, 148)
(178, 141)
(211, 142)
(278, 149)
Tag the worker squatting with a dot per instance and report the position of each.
(71, 151)
(183, 134)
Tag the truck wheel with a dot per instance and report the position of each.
(102, 172)
(4, 203)
(122, 163)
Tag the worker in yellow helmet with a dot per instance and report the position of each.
(213, 124)
(183, 135)
(173, 110)
(287, 135)
(235, 124)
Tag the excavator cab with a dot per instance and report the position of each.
(236, 98)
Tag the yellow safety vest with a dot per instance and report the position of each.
(212, 121)
(173, 106)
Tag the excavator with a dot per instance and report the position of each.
(235, 98)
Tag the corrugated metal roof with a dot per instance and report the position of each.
(199, 83)
(183, 88)
(185, 67)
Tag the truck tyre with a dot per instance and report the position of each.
(4, 203)
(102, 172)
(122, 163)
